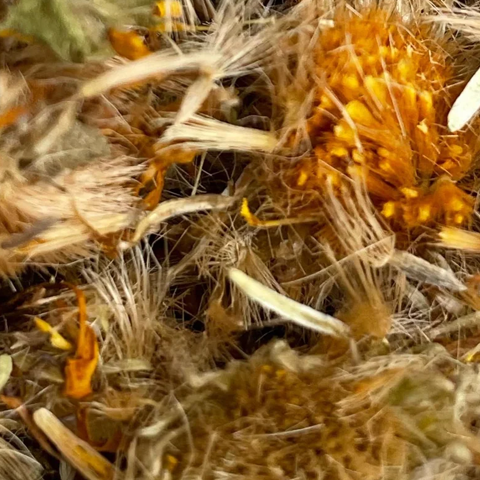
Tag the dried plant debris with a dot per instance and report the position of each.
(239, 239)
(378, 109)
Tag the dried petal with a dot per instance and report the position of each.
(181, 206)
(128, 44)
(287, 308)
(79, 454)
(55, 338)
(79, 370)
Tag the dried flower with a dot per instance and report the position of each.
(380, 112)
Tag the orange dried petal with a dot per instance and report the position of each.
(79, 371)
(12, 115)
(128, 44)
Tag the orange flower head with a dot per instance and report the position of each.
(380, 114)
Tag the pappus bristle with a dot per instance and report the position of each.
(380, 110)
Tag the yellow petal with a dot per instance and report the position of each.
(168, 8)
(254, 221)
(55, 338)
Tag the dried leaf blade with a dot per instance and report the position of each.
(78, 453)
(6, 366)
(181, 206)
(418, 269)
(287, 308)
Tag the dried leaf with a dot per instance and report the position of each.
(157, 65)
(78, 453)
(466, 322)
(17, 404)
(287, 308)
(127, 365)
(418, 269)
(181, 206)
(6, 366)
(108, 431)
(55, 338)
(55, 23)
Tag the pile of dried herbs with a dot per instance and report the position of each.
(239, 240)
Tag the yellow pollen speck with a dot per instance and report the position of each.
(384, 51)
(339, 152)
(383, 152)
(410, 95)
(377, 88)
(344, 132)
(448, 164)
(423, 127)
(424, 213)
(386, 166)
(171, 462)
(456, 150)
(359, 112)
(351, 82)
(426, 101)
(388, 209)
(168, 8)
(302, 178)
(456, 204)
(409, 192)
(246, 213)
(458, 218)
(325, 102)
(405, 69)
(358, 157)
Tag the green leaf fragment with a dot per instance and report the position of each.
(52, 22)
(73, 29)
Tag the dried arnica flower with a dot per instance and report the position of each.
(380, 114)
